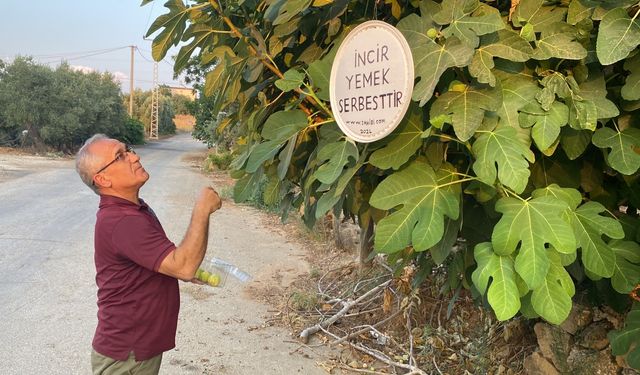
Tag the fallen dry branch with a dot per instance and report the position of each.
(412, 359)
(363, 371)
(304, 335)
(365, 329)
(360, 312)
(380, 356)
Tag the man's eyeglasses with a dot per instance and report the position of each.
(120, 157)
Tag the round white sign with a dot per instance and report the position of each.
(371, 81)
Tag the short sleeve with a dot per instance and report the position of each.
(137, 238)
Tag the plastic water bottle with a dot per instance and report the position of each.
(231, 269)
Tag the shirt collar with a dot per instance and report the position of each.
(110, 200)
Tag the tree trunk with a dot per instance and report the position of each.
(366, 244)
(336, 232)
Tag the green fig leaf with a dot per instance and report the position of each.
(623, 157)
(247, 186)
(420, 201)
(430, 59)
(281, 125)
(537, 14)
(174, 23)
(517, 92)
(291, 81)
(406, 139)
(589, 226)
(595, 90)
(626, 341)
(320, 73)
(532, 224)
(502, 147)
(335, 157)
(464, 21)
(552, 299)
(466, 108)
(631, 88)
(546, 124)
(557, 44)
(505, 44)
(626, 274)
(618, 35)
(502, 294)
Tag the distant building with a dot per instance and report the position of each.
(184, 91)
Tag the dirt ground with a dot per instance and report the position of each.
(15, 163)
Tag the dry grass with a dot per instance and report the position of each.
(403, 325)
(411, 327)
(184, 122)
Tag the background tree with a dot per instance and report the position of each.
(166, 126)
(141, 111)
(23, 85)
(212, 127)
(168, 105)
(134, 132)
(59, 108)
(522, 138)
(181, 104)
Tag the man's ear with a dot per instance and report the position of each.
(101, 180)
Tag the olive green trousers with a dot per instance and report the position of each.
(103, 365)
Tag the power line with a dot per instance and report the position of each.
(55, 58)
(140, 53)
(153, 3)
(163, 60)
(148, 81)
(83, 56)
(144, 57)
(63, 54)
(68, 56)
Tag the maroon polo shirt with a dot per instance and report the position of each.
(137, 306)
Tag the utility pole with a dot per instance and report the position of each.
(131, 84)
(153, 127)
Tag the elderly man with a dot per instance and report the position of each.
(137, 266)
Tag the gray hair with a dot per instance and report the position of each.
(86, 161)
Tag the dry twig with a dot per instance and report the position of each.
(304, 335)
(364, 371)
(435, 364)
(412, 360)
(380, 356)
(367, 328)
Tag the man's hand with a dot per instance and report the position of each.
(209, 199)
(197, 281)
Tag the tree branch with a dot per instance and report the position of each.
(263, 59)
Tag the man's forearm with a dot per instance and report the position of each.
(189, 254)
(183, 262)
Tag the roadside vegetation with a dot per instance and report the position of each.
(55, 110)
(511, 184)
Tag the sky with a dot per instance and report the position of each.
(88, 34)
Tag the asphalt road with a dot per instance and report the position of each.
(47, 286)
